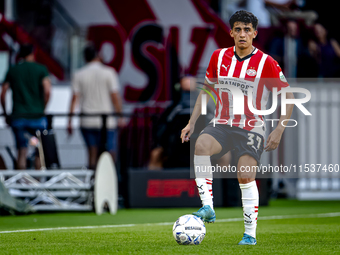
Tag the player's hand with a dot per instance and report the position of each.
(69, 129)
(273, 140)
(187, 132)
(121, 122)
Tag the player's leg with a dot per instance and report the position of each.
(248, 150)
(250, 197)
(33, 126)
(206, 146)
(21, 141)
(92, 152)
(156, 159)
(112, 143)
(90, 137)
(22, 155)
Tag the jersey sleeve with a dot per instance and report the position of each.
(274, 77)
(211, 73)
(44, 72)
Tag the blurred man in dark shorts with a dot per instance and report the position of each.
(96, 88)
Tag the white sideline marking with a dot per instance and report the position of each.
(277, 217)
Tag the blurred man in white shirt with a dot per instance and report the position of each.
(96, 88)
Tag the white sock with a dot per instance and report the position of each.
(250, 203)
(204, 185)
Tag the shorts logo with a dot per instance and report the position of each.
(254, 148)
(251, 72)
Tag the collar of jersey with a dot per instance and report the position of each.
(246, 57)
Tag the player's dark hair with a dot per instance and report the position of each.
(90, 52)
(245, 17)
(25, 50)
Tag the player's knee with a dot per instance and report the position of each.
(156, 154)
(245, 180)
(202, 148)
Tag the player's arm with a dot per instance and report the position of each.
(4, 90)
(274, 137)
(336, 47)
(117, 103)
(46, 83)
(189, 129)
(210, 79)
(275, 78)
(116, 99)
(73, 103)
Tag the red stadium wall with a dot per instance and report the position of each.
(155, 44)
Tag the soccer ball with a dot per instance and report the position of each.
(188, 229)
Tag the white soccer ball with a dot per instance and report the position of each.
(189, 229)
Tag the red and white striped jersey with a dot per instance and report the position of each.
(257, 71)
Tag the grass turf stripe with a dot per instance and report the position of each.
(275, 217)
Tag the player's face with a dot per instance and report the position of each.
(243, 35)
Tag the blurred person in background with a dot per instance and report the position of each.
(286, 50)
(31, 89)
(257, 7)
(165, 126)
(289, 9)
(326, 50)
(167, 130)
(96, 88)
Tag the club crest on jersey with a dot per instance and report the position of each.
(251, 72)
(282, 77)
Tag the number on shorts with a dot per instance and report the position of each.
(258, 139)
(251, 140)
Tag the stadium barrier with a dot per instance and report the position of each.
(318, 147)
(170, 188)
(76, 191)
(175, 188)
(66, 190)
(51, 190)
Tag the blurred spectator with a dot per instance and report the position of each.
(166, 125)
(289, 9)
(36, 16)
(169, 151)
(281, 5)
(287, 50)
(308, 66)
(31, 89)
(257, 7)
(327, 52)
(96, 88)
(43, 29)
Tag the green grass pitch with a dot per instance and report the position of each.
(301, 228)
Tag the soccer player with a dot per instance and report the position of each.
(246, 67)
